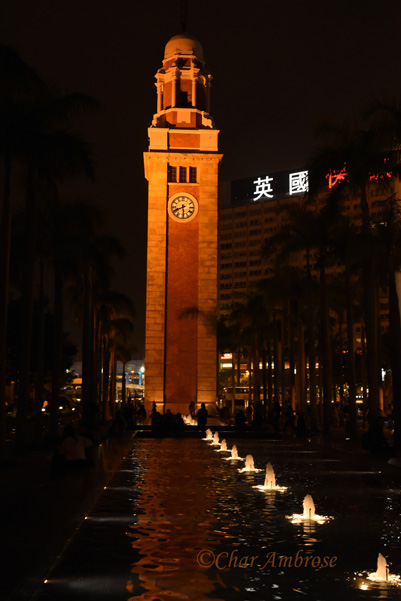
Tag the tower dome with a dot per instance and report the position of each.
(183, 44)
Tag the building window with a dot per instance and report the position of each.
(225, 246)
(183, 174)
(192, 175)
(171, 173)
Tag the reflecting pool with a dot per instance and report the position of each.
(179, 522)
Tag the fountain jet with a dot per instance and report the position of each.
(223, 446)
(249, 465)
(309, 508)
(309, 514)
(234, 455)
(270, 481)
(382, 573)
(215, 440)
(209, 434)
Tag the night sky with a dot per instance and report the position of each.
(277, 68)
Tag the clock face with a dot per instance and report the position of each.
(182, 207)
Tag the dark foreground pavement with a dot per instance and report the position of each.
(40, 512)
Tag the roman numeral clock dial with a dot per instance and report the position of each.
(182, 207)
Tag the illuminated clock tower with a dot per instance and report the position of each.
(181, 167)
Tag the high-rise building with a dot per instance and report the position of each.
(251, 210)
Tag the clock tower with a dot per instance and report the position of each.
(181, 167)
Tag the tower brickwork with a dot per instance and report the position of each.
(181, 167)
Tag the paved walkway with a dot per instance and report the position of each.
(40, 513)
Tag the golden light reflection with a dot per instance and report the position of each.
(173, 525)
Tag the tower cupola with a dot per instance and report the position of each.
(183, 86)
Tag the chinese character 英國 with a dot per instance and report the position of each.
(263, 187)
(299, 182)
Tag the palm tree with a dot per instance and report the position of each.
(306, 228)
(357, 154)
(50, 153)
(389, 232)
(17, 81)
(385, 116)
(115, 314)
(348, 250)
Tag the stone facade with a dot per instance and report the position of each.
(181, 303)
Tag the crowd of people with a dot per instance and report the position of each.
(74, 450)
(279, 419)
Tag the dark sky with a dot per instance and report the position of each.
(277, 68)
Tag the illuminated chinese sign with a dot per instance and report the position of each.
(334, 177)
(263, 188)
(299, 182)
(282, 184)
(270, 187)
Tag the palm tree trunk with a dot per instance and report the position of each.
(233, 381)
(291, 348)
(113, 362)
(264, 379)
(123, 384)
(40, 357)
(87, 342)
(364, 378)
(255, 360)
(270, 375)
(395, 360)
(301, 364)
(276, 358)
(351, 360)
(239, 366)
(371, 313)
(326, 351)
(5, 241)
(57, 350)
(26, 318)
(105, 383)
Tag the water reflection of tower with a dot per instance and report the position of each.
(181, 166)
(173, 523)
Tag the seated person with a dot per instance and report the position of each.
(74, 446)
